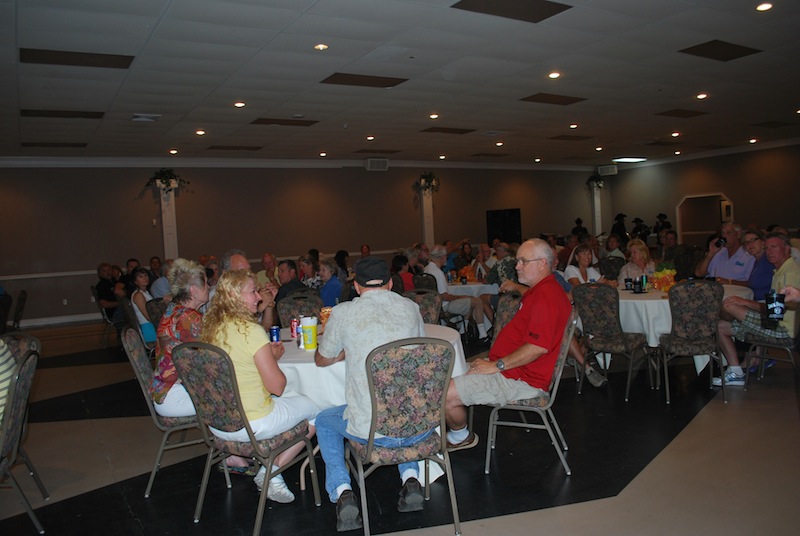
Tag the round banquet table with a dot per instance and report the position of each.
(649, 313)
(325, 385)
(473, 289)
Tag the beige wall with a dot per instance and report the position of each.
(61, 220)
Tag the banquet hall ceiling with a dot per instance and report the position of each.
(75, 74)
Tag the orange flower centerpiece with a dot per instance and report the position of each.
(664, 279)
(468, 272)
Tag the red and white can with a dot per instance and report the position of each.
(295, 322)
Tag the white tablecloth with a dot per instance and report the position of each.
(649, 313)
(472, 289)
(325, 385)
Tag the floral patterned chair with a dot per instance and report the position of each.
(598, 307)
(540, 406)
(207, 373)
(299, 304)
(695, 306)
(155, 309)
(14, 417)
(20, 344)
(507, 307)
(429, 302)
(408, 382)
(424, 280)
(140, 361)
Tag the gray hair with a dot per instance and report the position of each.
(183, 275)
(225, 263)
(438, 251)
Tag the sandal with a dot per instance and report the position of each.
(250, 470)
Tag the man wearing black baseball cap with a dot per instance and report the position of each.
(378, 316)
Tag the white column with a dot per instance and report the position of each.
(597, 211)
(169, 225)
(426, 213)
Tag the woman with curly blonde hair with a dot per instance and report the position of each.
(230, 324)
(639, 262)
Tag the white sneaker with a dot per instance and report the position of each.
(595, 378)
(278, 492)
(731, 378)
(259, 478)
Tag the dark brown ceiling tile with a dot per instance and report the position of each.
(683, 114)
(549, 98)
(773, 124)
(568, 137)
(720, 50)
(663, 143)
(490, 155)
(234, 148)
(61, 114)
(362, 80)
(377, 151)
(445, 130)
(54, 145)
(283, 122)
(527, 11)
(79, 59)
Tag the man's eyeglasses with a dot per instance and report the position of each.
(526, 261)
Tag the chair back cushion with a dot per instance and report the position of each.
(19, 308)
(129, 313)
(21, 343)
(424, 280)
(598, 307)
(408, 382)
(429, 302)
(695, 306)
(507, 307)
(155, 310)
(397, 284)
(207, 374)
(299, 304)
(139, 358)
(16, 407)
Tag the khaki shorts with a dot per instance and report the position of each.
(475, 389)
(460, 306)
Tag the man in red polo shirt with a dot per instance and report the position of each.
(522, 359)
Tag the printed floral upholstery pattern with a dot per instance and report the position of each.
(246, 450)
(155, 310)
(297, 305)
(408, 381)
(425, 280)
(21, 343)
(598, 307)
(695, 306)
(429, 302)
(507, 307)
(16, 409)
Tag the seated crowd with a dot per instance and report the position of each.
(224, 303)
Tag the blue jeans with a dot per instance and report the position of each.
(331, 433)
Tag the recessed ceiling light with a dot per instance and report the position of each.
(320, 46)
(200, 132)
(442, 157)
(370, 138)
(554, 75)
(573, 125)
(753, 140)
(434, 116)
(629, 159)
(499, 143)
(598, 148)
(701, 96)
(323, 154)
(764, 7)
(677, 152)
(173, 151)
(675, 134)
(239, 104)
(537, 160)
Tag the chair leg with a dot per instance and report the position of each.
(362, 486)
(556, 445)
(312, 471)
(24, 500)
(451, 486)
(557, 428)
(491, 432)
(665, 359)
(630, 375)
(303, 467)
(203, 485)
(33, 472)
(157, 464)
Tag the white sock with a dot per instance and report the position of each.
(278, 477)
(409, 473)
(481, 331)
(341, 488)
(457, 436)
(736, 369)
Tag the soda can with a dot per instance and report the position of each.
(293, 326)
(275, 334)
(644, 283)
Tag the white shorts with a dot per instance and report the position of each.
(286, 413)
(177, 403)
(461, 306)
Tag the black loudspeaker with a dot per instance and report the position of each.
(504, 224)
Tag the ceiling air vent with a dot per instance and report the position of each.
(376, 164)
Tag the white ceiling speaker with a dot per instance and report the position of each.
(376, 164)
(604, 171)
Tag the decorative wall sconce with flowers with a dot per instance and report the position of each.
(595, 181)
(166, 180)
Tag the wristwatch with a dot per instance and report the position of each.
(500, 365)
